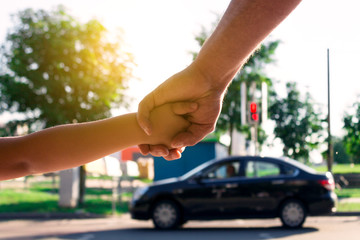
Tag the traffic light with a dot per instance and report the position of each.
(254, 116)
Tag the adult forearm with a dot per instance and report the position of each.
(245, 24)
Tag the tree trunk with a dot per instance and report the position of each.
(82, 186)
(231, 129)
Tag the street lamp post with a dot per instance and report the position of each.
(330, 148)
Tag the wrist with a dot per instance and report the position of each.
(216, 82)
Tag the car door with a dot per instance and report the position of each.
(203, 196)
(257, 192)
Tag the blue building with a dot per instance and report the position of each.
(191, 158)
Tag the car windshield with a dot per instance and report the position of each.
(298, 164)
(197, 169)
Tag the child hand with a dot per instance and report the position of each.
(166, 125)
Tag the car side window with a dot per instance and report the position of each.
(288, 171)
(261, 169)
(224, 170)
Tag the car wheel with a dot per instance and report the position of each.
(166, 215)
(293, 214)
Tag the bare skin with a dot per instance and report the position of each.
(72, 145)
(245, 24)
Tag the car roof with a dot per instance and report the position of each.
(285, 160)
(280, 160)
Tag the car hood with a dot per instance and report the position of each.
(165, 181)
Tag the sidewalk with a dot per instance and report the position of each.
(349, 200)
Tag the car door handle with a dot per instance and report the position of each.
(217, 190)
(277, 182)
(231, 185)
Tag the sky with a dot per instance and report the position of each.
(160, 34)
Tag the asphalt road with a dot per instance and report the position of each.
(124, 228)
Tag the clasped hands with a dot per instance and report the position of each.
(190, 96)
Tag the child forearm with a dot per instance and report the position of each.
(67, 146)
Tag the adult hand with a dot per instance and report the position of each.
(244, 25)
(193, 96)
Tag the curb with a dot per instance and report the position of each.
(47, 216)
(345, 214)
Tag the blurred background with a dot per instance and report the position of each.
(74, 61)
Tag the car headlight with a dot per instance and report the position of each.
(139, 192)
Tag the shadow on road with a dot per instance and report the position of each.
(257, 233)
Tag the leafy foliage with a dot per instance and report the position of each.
(56, 70)
(339, 149)
(352, 137)
(340, 155)
(298, 125)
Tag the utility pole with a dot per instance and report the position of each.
(254, 127)
(330, 147)
(238, 139)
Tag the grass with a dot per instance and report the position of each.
(348, 207)
(340, 168)
(144, 180)
(42, 197)
(41, 202)
(12, 200)
(348, 193)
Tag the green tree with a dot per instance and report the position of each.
(56, 70)
(298, 125)
(340, 154)
(252, 72)
(352, 136)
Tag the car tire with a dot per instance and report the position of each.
(166, 215)
(292, 213)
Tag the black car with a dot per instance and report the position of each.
(238, 187)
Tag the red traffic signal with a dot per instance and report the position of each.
(254, 116)
(253, 107)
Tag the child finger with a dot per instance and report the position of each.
(158, 150)
(173, 155)
(144, 149)
(181, 108)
